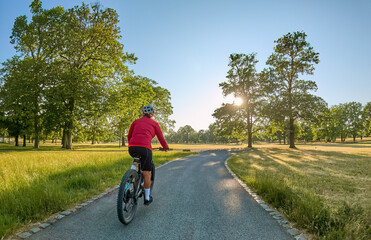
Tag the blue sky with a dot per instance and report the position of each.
(184, 45)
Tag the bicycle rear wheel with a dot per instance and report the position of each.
(126, 199)
(152, 176)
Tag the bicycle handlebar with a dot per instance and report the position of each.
(163, 149)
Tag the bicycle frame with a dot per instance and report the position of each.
(141, 180)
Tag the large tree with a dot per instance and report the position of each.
(243, 82)
(128, 98)
(366, 117)
(71, 76)
(354, 121)
(34, 41)
(293, 56)
(91, 60)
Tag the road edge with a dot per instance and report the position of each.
(287, 226)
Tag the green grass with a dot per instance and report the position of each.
(37, 183)
(323, 188)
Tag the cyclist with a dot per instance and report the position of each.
(141, 132)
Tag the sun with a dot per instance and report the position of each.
(238, 101)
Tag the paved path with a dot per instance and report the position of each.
(194, 198)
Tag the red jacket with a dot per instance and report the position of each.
(143, 130)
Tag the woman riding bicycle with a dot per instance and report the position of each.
(141, 133)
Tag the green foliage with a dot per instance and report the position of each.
(71, 77)
(366, 117)
(341, 120)
(232, 122)
(293, 56)
(237, 122)
(188, 135)
(127, 100)
(354, 118)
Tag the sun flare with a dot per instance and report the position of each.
(238, 101)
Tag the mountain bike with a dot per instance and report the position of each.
(131, 189)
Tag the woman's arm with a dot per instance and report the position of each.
(160, 137)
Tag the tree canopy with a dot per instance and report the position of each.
(72, 76)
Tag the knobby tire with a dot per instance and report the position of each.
(131, 177)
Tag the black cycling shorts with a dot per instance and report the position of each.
(145, 155)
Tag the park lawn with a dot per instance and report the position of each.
(57, 147)
(323, 188)
(115, 147)
(204, 147)
(37, 183)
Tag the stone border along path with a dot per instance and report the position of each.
(58, 216)
(273, 212)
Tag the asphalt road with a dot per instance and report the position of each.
(194, 198)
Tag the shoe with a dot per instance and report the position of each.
(148, 202)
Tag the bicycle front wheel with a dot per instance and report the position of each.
(126, 199)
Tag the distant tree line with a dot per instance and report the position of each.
(335, 123)
(277, 104)
(70, 79)
(187, 135)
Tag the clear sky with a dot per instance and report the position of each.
(185, 45)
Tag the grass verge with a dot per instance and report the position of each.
(36, 184)
(324, 189)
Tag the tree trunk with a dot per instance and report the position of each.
(69, 124)
(354, 138)
(292, 133)
(93, 139)
(123, 141)
(29, 139)
(36, 123)
(16, 141)
(69, 139)
(24, 140)
(249, 131)
(36, 142)
(64, 136)
(36, 128)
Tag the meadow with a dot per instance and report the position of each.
(325, 189)
(34, 184)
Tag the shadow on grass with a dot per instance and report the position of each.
(365, 144)
(294, 179)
